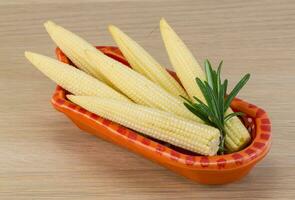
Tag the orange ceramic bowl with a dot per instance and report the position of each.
(203, 169)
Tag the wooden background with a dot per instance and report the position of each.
(44, 156)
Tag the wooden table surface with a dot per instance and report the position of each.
(44, 156)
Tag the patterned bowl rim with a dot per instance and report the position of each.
(258, 148)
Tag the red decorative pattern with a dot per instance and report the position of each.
(190, 160)
(255, 120)
(94, 116)
(265, 136)
(132, 135)
(258, 145)
(160, 148)
(146, 141)
(122, 130)
(251, 153)
(260, 112)
(265, 121)
(106, 122)
(221, 163)
(72, 106)
(175, 155)
(82, 110)
(265, 128)
(60, 101)
(204, 161)
(238, 158)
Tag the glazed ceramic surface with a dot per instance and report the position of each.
(208, 170)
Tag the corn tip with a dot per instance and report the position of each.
(116, 32)
(164, 25)
(112, 28)
(70, 97)
(31, 56)
(49, 25)
(163, 22)
(77, 99)
(28, 54)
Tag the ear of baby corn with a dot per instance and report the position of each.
(155, 123)
(72, 79)
(137, 87)
(142, 62)
(187, 69)
(73, 46)
(237, 132)
(185, 65)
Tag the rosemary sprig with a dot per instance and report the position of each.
(212, 112)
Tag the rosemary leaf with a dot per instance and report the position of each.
(212, 112)
(232, 115)
(236, 90)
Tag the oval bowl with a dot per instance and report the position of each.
(218, 169)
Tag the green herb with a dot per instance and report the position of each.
(212, 112)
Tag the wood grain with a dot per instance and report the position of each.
(44, 156)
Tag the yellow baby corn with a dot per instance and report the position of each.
(155, 123)
(73, 46)
(142, 62)
(72, 79)
(187, 69)
(182, 60)
(137, 87)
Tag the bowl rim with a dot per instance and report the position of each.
(258, 148)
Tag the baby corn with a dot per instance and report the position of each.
(187, 69)
(142, 62)
(137, 87)
(182, 60)
(158, 124)
(73, 46)
(72, 79)
(129, 82)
